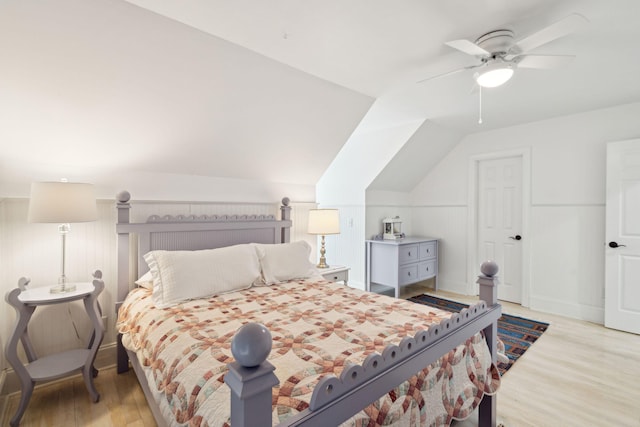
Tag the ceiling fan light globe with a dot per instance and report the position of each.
(494, 76)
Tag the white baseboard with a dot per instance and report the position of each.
(356, 285)
(573, 310)
(106, 358)
(456, 287)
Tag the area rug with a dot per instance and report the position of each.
(517, 333)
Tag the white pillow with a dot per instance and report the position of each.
(285, 261)
(146, 281)
(184, 275)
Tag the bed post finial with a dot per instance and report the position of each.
(251, 376)
(285, 209)
(123, 197)
(124, 207)
(488, 282)
(285, 215)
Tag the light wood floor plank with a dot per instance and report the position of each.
(577, 374)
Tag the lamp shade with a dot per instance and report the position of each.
(62, 202)
(324, 221)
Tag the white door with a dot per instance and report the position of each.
(622, 264)
(500, 222)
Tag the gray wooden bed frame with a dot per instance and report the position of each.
(334, 400)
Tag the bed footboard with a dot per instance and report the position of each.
(334, 399)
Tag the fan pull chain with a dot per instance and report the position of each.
(480, 105)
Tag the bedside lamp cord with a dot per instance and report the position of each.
(75, 328)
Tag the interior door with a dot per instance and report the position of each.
(500, 222)
(622, 263)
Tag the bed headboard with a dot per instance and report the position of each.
(190, 232)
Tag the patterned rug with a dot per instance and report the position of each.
(517, 333)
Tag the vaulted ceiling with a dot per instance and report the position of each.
(272, 90)
(383, 48)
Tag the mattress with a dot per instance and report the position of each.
(317, 327)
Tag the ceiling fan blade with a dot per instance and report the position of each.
(544, 61)
(448, 73)
(468, 47)
(554, 31)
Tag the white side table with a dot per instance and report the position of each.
(338, 273)
(56, 365)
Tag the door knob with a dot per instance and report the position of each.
(516, 237)
(615, 245)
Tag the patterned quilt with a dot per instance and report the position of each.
(316, 327)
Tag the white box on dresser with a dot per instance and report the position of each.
(391, 264)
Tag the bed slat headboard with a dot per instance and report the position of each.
(191, 233)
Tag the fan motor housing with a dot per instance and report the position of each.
(498, 41)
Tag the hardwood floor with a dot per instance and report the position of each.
(577, 374)
(66, 403)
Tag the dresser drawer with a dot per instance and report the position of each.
(427, 269)
(408, 274)
(335, 274)
(338, 276)
(407, 254)
(428, 250)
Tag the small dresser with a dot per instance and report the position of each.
(391, 264)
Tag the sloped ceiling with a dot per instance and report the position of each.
(382, 48)
(104, 87)
(272, 90)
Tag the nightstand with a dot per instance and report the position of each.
(338, 273)
(391, 264)
(60, 364)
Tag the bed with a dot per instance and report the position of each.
(290, 348)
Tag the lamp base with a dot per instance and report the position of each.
(62, 288)
(323, 259)
(322, 264)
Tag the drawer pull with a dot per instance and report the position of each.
(409, 253)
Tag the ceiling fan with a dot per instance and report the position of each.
(500, 53)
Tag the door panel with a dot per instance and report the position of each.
(622, 263)
(499, 219)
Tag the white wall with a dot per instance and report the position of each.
(155, 96)
(344, 184)
(567, 206)
(387, 204)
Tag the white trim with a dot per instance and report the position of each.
(472, 261)
(455, 286)
(568, 309)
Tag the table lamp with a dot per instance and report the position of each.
(62, 203)
(323, 222)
